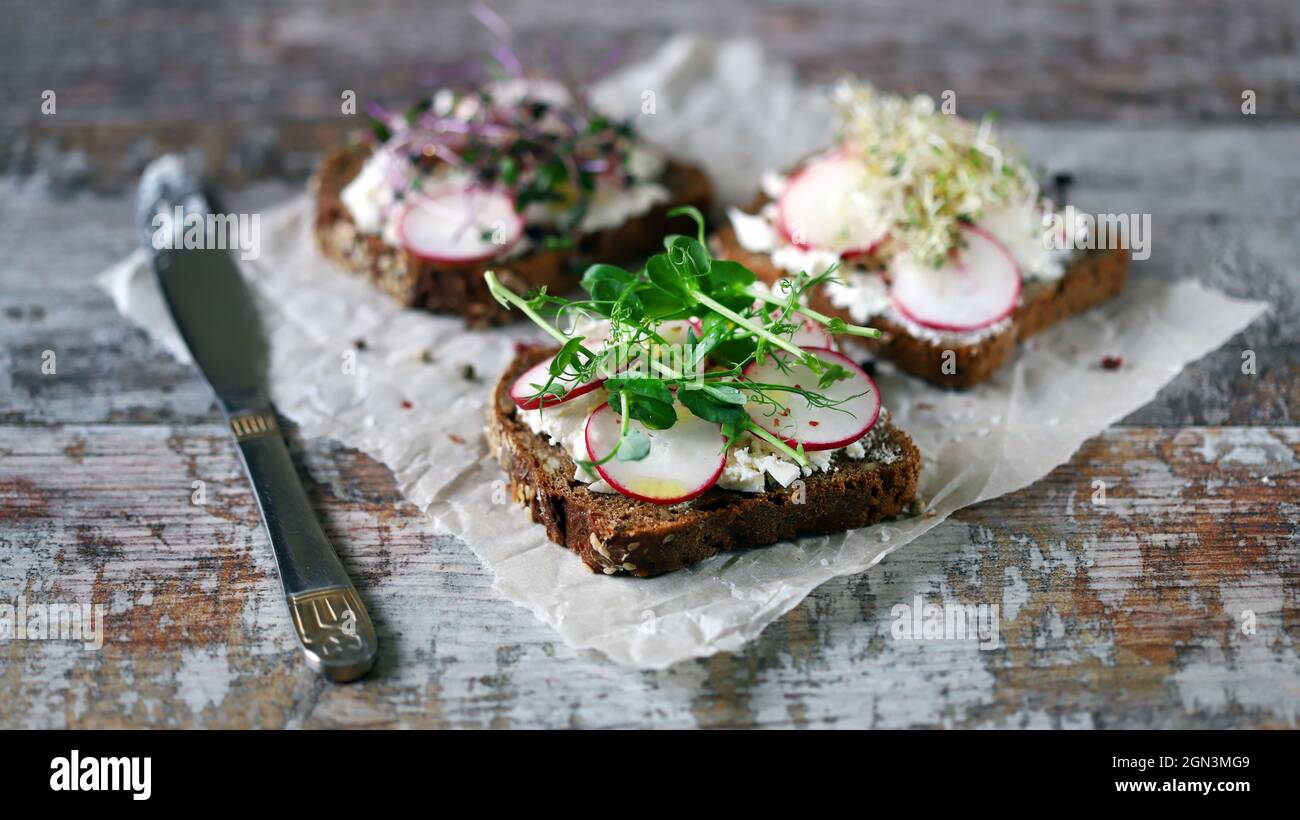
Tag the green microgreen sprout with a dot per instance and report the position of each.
(543, 154)
(739, 323)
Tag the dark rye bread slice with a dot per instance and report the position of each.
(1094, 277)
(450, 288)
(614, 534)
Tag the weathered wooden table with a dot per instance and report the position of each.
(1173, 605)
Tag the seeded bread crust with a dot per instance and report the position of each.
(1093, 278)
(614, 534)
(460, 289)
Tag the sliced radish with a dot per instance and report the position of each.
(826, 206)
(455, 224)
(976, 288)
(870, 250)
(684, 460)
(526, 389)
(817, 428)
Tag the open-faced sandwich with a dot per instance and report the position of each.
(938, 234)
(517, 175)
(686, 410)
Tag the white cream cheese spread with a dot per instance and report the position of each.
(371, 194)
(611, 205)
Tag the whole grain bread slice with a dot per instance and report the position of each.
(460, 289)
(1094, 277)
(614, 534)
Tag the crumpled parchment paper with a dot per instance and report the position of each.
(730, 109)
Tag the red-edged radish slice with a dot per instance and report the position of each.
(870, 250)
(978, 287)
(684, 461)
(817, 428)
(826, 206)
(525, 390)
(454, 224)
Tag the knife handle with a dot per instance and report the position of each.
(333, 626)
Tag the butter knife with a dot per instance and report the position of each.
(215, 315)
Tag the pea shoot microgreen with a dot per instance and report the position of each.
(739, 323)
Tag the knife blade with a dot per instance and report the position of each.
(218, 320)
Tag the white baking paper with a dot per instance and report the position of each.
(728, 108)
